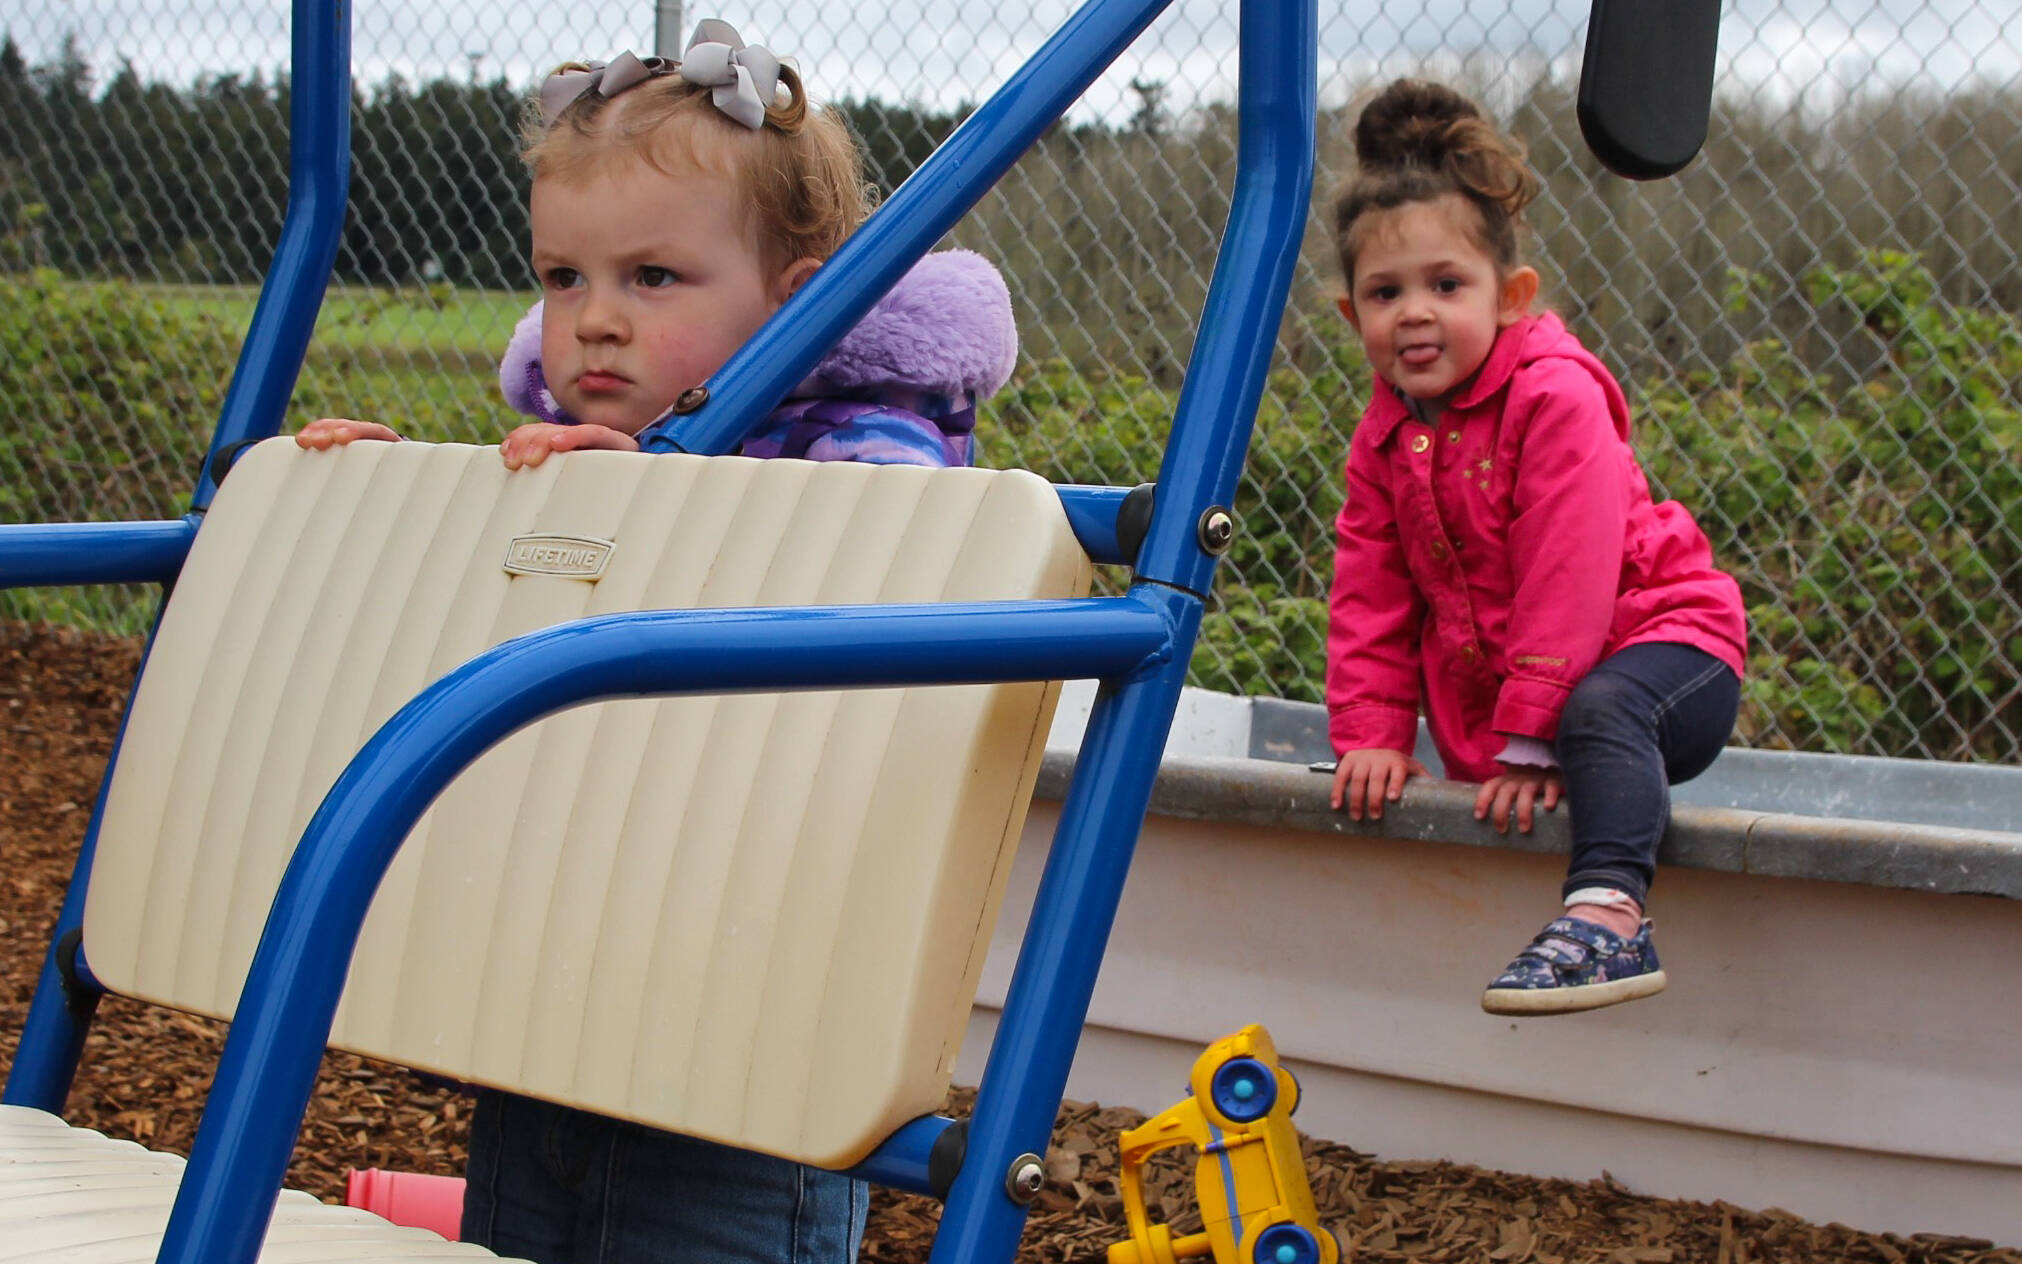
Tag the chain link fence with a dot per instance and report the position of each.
(1816, 322)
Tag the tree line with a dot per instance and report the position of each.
(154, 181)
(111, 175)
(1106, 231)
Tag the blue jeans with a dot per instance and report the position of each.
(562, 1186)
(1646, 718)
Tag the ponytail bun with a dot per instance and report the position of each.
(1430, 127)
(1407, 124)
(1419, 141)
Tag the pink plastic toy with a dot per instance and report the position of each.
(408, 1198)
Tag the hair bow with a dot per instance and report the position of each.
(744, 78)
(605, 79)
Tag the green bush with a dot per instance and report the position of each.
(1873, 522)
(1265, 632)
(1875, 525)
(114, 393)
(111, 400)
(112, 397)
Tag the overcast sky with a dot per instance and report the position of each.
(941, 51)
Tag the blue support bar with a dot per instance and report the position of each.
(1075, 907)
(1278, 70)
(905, 1160)
(46, 554)
(1092, 511)
(269, 1063)
(319, 178)
(917, 215)
(59, 1016)
(52, 1040)
(1072, 913)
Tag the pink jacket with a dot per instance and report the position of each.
(1485, 564)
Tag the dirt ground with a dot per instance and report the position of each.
(145, 1073)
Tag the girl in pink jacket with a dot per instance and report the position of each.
(1501, 562)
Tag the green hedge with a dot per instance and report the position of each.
(1873, 523)
(1873, 519)
(111, 399)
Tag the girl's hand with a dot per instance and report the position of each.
(530, 444)
(1365, 778)
(326, 432)
(1522, 786)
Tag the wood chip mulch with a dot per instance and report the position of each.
(146, 1070)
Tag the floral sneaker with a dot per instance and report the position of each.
(1574, 965)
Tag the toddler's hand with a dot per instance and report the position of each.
(530, 444)
(1523, 787)
(325, 432)
(1365, 778)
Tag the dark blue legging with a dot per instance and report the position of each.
(562, 1186)
(1646, 718)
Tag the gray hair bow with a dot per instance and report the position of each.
(602, 79)
(743, 78)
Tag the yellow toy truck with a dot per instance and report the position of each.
(1256, 1204)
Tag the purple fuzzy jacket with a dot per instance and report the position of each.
(899, 389)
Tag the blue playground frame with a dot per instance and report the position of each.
(1138, 645)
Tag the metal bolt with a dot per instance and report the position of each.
(1025, 1179)
(1217, 530)
(691, 399)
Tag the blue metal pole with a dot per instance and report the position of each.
(905, 1160)
(79, 553)
(40, 554)
(1026, 1074)
(1075, 907)
(319, 177)
(59, 1015)
(1091, 512)
(1278, 71)
(917, 215)
(269, 1063)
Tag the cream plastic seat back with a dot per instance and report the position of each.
(756, 919)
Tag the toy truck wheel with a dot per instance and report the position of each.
(1286, 1244)
(1244, 1089)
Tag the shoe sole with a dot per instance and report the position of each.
(1572, 1000)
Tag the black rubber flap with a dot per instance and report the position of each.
(1646, 87)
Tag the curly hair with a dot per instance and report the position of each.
(1419, 141)
(803, 171)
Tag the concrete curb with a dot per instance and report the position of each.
(1773, 844)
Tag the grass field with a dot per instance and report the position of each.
(441, 320)
(456, 401)
(424, 362)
